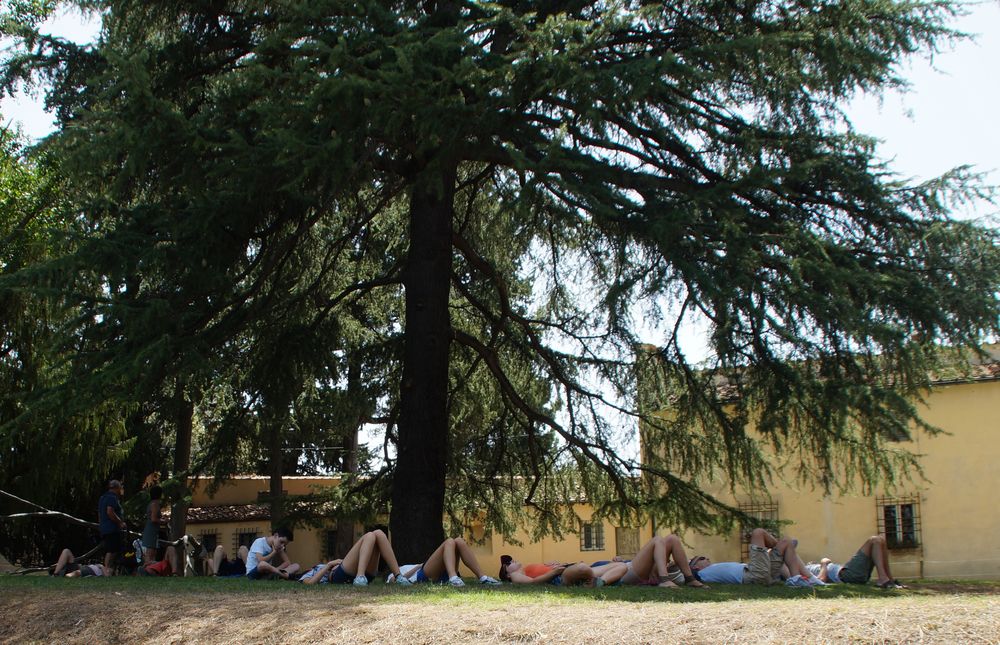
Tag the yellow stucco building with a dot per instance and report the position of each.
(231, 517)
(946, 526)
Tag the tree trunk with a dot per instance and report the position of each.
(184, 409)
(345, 525)
(421, 463)
(276, 468)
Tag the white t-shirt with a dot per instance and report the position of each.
(410, 571)
(311, 572)
(727, 573)
(259, 549)
(832, 570)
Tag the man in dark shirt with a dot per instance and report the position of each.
(111, 519)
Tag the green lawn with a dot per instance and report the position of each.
(427, 593)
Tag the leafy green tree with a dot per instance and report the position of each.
(682, 161)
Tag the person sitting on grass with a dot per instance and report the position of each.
(858, 570)
(266, 551)
(651, 565)
(220, 566)
(166, 567)
(442, 565)
(68, 567)
(360, 563)
(771, 558)
(555, 573)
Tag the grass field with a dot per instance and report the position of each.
(131, 610)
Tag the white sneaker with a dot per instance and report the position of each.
(403, 580)
(390, 578)
(360, 581)
(455, 581)
(488, 580)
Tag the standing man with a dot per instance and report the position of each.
(112, 521)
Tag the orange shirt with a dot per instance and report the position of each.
(535, 570)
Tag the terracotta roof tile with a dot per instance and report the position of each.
(226, 513)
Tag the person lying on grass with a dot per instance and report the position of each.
(221, 566)
(68, 567)
(267, 557)
(442, 565)
(771, 560)
(166, 567)
(360, 563)
(555, 573)
(858, 570)
(651, 565)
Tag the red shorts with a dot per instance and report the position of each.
(161, 568)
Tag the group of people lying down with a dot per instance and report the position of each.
(660, 562)
(774, 560)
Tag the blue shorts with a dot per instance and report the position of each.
(256, 574)
(422, 577)
(557, 581)
(338, 576)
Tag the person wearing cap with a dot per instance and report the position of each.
(771, 558)
(111, 519)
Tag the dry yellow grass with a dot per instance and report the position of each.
(95, 615)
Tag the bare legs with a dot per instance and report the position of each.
(109, 561)
(363, 558)
(577, 574)
(219, 555)
(786, 547)
(66, 557)
(325, 571)
(446, 557)
(875, 548)
(171, 557)
(609, 573)
(284, 571)
(656, 554)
